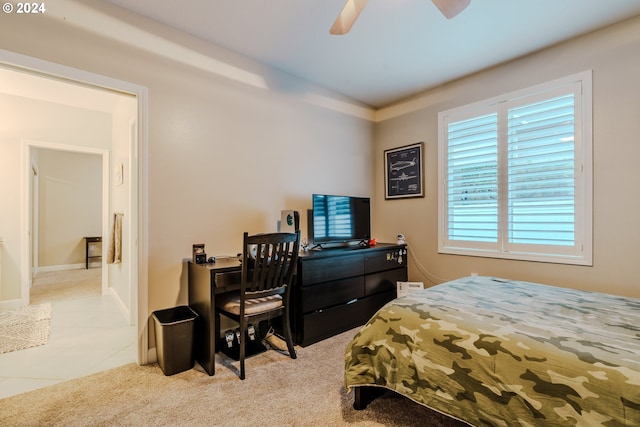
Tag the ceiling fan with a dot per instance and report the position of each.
(352, 9)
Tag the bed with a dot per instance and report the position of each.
(496, 352)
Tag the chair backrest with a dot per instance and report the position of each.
(269, 262)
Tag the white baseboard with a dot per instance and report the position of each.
(152, 355)
(12, 304)
(121, 305)
(63, 267)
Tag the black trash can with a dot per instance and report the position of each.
(174, 338)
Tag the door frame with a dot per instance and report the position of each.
(139, 267)
(34, 186)
(29, 210)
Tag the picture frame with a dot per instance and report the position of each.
(403, 172)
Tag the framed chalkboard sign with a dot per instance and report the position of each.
(403, 172)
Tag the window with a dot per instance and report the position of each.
(515, 175)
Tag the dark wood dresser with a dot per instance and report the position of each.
(339, 289)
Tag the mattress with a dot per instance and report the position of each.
(491, 351)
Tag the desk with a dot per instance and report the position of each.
(205, 282)
(88, 242)
(334, 290)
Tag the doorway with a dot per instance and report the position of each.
(132, 160)
(75, 188)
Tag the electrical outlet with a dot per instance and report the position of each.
(474, 274)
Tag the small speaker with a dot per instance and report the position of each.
(289, 221)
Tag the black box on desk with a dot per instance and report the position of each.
(199, 256)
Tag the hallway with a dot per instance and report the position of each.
(88, 334)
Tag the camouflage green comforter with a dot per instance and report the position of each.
(506, 353)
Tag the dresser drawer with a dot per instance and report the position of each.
(330, 268)
(326, 323)
(384, 281)
(385, 260)
(331, 293)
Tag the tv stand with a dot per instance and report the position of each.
(340, 289)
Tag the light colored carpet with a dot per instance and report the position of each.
(66, 284)
(278, 391)
(25, 327)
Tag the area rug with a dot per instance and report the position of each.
(25, 327)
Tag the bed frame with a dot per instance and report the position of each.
(364, 395)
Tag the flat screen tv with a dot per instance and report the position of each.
(339, 219)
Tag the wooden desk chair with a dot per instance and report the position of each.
(268, 265)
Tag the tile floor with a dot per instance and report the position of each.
(88, 335)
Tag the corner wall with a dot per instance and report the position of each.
(614, 56)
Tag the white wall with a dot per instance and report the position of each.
(231, 142)
(614, 56)
(121, 181)
(70, 206)
(10, 216)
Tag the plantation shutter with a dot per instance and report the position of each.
(541, 172)
(515, 176)
(473, 179)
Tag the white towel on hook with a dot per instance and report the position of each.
(114, 256)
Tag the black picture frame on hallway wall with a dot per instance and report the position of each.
(403, 172)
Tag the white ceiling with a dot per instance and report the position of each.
(396, 48)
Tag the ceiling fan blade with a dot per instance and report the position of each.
(347, 17)
(451, 8)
